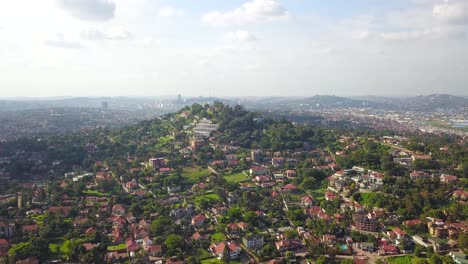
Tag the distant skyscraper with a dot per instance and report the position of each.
(179, 99)
(105, 105)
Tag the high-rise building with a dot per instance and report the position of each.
(157, 162)
(179, 99)
(105, 105)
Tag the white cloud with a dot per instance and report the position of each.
(169, 11)
(361, 35)
(249, 12)
(433, 33)
(97, 10)
(451, 12)
(148, 41)
(240, 36)
(407, 35)
(59, 41)
(115, 33)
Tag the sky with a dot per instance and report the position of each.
(233, 47)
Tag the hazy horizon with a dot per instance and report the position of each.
(233, 48)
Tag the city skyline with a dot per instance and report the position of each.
(233, 48)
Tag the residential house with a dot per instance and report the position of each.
(198, 220)
(229, 247)
(219, 210)
(131, 185)
(31, 230)
(376, 178)
(289, 188)
(278, 162)
(330, 196)
(288, 245)
(231, 157)
(147, 241)
(390, 249)
(165, 171)
(421, 157)
(460, 195)
(367, 246)
(365, 222)
(118, 209)
(256, 155)
(114, 256)
(412, 223)
(258, 170)
(400, 234)
(262, 179)
(419, 175)
(154, 250)
(329, 239)
(6, 230)
(290, 173)
(131, 245)
(90, 231)
(173, 189)
(307, 201)
(253, 242)
(458, 257)
(4, 246)
(63, 210)
(449, 179)
(197, 236)
(437, 228)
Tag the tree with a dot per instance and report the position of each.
(174, 243)
(226, 256)
(39, 247)
(160, 225)
(250, 218)
(291, 234)
(321, 260)
(309, 183)
(463, 241)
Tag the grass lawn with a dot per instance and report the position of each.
(217, 261)
(210, 197)
(203, 253)
(404, 260)
(59, 244)
(217, 238)
(236, 177)
(117, 247)
(446, 126)
(95, 193)
(39, 219)
(194, 174)
(318, 192)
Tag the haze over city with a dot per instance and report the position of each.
(233, 48)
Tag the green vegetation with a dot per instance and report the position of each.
(217, 237)
(446, 126)
(217, 261)
(194, 174)
(405, 260)
(236, 177)
(368, 199)
(60, 245)
(117, 247)
(38, 218)
(125, 153)
(95, 193)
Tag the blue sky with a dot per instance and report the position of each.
(233, 47)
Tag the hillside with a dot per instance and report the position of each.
(164, 137)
